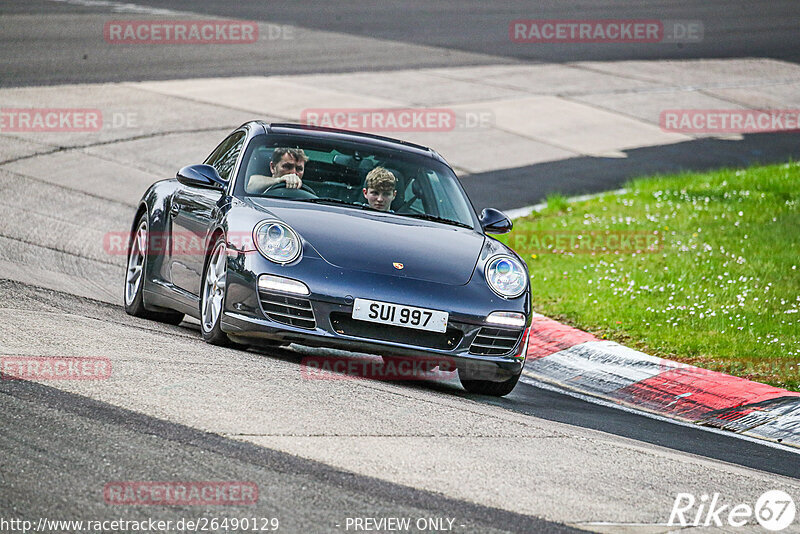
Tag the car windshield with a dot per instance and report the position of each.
(355, 176)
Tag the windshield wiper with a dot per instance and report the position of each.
(367, 207)
(335, 201)
(434, 218)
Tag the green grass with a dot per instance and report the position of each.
(556, 202)
(722, 293)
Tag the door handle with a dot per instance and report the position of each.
(174, 209)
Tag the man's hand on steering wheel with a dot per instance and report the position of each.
(285, 185)
(292, 181)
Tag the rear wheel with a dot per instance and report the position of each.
(487, 387)
(134, 278)
(212, 300)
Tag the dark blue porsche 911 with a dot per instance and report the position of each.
(333, 238)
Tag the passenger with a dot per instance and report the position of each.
(380, 189)
(287, 165)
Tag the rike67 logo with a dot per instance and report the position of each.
(774, 510)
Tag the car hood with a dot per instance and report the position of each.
(373, 242)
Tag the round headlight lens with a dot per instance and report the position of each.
(277, 242)
(506, 276)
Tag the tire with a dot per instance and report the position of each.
(487, 387)
(135, 268)
(212, 294)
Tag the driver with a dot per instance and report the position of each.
(380, 188)
(287, 165)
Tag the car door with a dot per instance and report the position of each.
(191, 211)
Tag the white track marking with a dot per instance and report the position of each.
(122, 7)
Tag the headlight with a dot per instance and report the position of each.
(506, 276)
(277, 242)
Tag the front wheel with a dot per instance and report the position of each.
(487, 387)
(134, 278)
(212, 300)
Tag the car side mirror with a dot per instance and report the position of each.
(204, 176)
(495, 222)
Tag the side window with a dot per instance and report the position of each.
(225, 155)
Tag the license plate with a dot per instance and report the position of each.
(399, 315)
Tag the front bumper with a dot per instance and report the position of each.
(249, 316)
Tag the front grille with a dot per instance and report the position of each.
(343, 323)
(288, 310)
(494, 341)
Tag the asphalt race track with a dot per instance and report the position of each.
(323, 452)
(451, 32)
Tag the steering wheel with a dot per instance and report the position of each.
(279, 185)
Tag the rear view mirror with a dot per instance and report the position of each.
(495, 222)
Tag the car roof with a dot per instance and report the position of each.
(334, 134)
